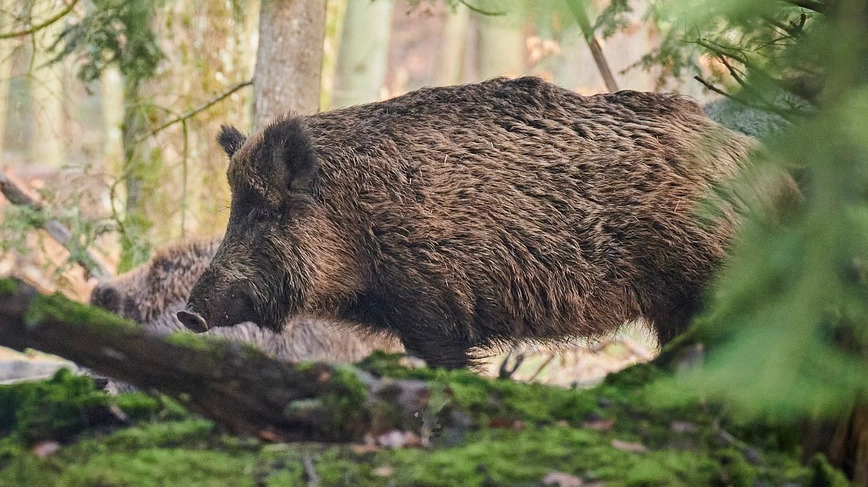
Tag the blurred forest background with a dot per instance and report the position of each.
(109, 109)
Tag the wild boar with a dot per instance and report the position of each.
(465, 217)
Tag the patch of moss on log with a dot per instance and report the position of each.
(58, 307)
(65, 406)
(54, 409)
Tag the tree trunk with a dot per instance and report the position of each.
(112, 97)
(134, 247)
(6, 61)
(289, 59)
(47, 93)
(501, 46)
(450, 66)
(363, 55)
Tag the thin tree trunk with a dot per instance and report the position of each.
(364, 52)
(450, 66)
(289, 59)
(135, 223)
(501, 46)
(112, 97)
(577, 7)
(46, 91)
(6, 60)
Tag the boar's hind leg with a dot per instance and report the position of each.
(672, 316)
(441, 350)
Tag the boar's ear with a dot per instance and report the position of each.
(230, 139)
(294, 154)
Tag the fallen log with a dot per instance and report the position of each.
(233, 384)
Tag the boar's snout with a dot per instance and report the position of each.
(192, 320)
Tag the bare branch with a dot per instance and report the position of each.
(36, 28)
(478, 10)
(715, 89)
(732, 71)
(542, 366)
(58, 231)
(195, 111)
(578, 9)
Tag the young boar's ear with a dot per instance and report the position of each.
(230, 139)
(295, 155)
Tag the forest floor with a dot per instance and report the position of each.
(483, 432)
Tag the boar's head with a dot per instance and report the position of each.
(263, 268)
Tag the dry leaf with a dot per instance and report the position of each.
(45, 449)
(561, 479)
(384, 471)
(599, 424)
(627, 446)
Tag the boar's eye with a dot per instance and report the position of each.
(258, 215)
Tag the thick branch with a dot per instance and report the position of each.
(577, 7)
(17, 196)
(36, 28)
(232, 384)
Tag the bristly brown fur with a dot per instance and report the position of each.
(463, 216)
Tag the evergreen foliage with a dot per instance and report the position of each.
(788, 317)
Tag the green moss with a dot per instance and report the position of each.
(159, 467)
(824, 475)
(67, 405)
(8, 286)
(189, 433)
(636, 376)
(54, 409)
(59, 308)
(344, 404)
(138, 405)
(192, 453)
(193, 341)
(487, 432)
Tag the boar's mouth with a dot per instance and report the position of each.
(192, 320)
(203, 315)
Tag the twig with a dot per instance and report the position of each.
(541, 367)
(36, 28)
(309, 470)
(719, 91)
(478, 10)
(578, 9)
(505, 372)
(732, 71)
(58, 231)
(195, 111)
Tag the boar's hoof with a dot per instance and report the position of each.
(193, 321)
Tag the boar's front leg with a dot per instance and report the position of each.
(436, 347)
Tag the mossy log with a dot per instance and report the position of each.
(232, 384)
